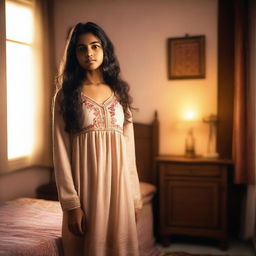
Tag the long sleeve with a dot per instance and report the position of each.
(67, 193)
(130, 146)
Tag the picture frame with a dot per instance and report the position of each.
(186, 57)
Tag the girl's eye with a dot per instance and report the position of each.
(82, 49)
(95, 46)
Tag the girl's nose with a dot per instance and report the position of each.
(89, 53)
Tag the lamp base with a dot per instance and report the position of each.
(190, 152)
(211, 155)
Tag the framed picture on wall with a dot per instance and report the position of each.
(186, 57)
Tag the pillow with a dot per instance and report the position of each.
(147, 191)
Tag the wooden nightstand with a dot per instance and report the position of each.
(192, 197)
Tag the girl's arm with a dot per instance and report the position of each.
(67, 193)
(130, 146)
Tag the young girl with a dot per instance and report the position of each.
(93, 149)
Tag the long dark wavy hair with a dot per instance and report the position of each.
(71, 76)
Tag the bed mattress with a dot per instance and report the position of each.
(32, 227)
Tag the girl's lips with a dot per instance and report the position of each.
(89, 61)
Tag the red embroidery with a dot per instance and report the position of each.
(98, 118)
(97, 121)
(112, 109)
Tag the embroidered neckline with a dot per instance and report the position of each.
(100, 104)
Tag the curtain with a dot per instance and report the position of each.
(44, 53)
(244, 100)
(249, 229)
(245, 110)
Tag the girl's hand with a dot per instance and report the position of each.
(136, 215)
(76, 221)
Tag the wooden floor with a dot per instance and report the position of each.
(236, 248)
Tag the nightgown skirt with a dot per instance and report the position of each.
(95, 169)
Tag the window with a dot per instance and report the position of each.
(26, 74)
(20, 87)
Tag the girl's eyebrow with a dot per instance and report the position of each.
(94, 42)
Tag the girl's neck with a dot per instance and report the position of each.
(94, 77)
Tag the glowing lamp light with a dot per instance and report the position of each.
(190, 118)
(190, 115)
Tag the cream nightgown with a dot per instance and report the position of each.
(96, 170)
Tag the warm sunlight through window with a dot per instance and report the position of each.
(20, 86)
(19, 23)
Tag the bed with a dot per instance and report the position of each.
(32, 226)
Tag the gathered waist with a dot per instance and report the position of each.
(99, 130)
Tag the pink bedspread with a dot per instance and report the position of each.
(30, 227)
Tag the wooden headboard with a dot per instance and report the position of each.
(146, 148)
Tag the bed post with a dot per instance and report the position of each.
(155, 146)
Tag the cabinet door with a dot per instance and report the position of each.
(194, 204)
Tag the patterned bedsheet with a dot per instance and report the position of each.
(29, 227)
(32, 227)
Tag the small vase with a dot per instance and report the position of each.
(190, 144)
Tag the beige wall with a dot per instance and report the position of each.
(139, 31)
(22, 183)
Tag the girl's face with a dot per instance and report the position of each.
(89, 51)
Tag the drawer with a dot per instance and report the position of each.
(193, 170)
